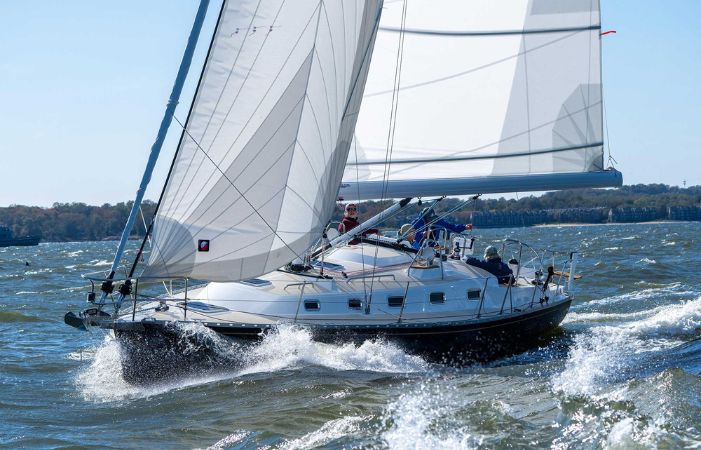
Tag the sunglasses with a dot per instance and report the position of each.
(351, 209)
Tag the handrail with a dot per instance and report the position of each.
(362, 277)
(301, 283)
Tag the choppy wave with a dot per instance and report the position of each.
(656, 412)
(38, 271)
(429, 417)
(668, 291)
(601, 355)
(99, 263)
(229, 441)
(288, 348)
(292, 347)
(14, 316)
(329, 432)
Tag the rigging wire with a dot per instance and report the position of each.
(143, 221)
(611, 159)
(446, 214)
(392, 128)
(357, 186)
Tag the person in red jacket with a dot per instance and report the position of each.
(350, 221)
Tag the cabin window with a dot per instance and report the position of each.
(311, 305)
(395, 301)
(354, 303)
(437, 297)
(473, 294)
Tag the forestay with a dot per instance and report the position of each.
(257, 170)
(487, 89)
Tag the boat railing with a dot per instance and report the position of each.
(480, 309)
(542, 259)
(128, 287)
(178, 291)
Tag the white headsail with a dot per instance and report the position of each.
(489, 91)
(257, 170)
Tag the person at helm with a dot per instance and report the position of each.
(427, 225)
(493, 264)
(350, 221)
(407, 235)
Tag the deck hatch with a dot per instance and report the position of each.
(437, 297)
(395, 301)
(312, 305)
(257, 282)
(328, 265)
(202, 306)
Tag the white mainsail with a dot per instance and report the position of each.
(489, 91)
(257, 170)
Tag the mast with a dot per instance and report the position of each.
(162, 131)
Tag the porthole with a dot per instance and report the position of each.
(437, 297)
(311, 305)
(355, 303)
(395, 301)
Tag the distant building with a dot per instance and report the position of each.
(627, 215)
(578, 215)
(684, 213)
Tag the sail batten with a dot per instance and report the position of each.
(271, 113)
(488, 33)
(468, 158)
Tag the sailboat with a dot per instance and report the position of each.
(302, 104)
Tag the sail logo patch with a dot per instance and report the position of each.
(203, 245)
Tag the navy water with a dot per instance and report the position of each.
(625, 372)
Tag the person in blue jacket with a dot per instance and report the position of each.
(493, 264)
(427, 216)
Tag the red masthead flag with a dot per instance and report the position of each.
(608, 32)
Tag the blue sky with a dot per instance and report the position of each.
(83, 86)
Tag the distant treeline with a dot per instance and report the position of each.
(81, 222)
(73, 221)
(640, 202)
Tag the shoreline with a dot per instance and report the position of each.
(574, 224)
